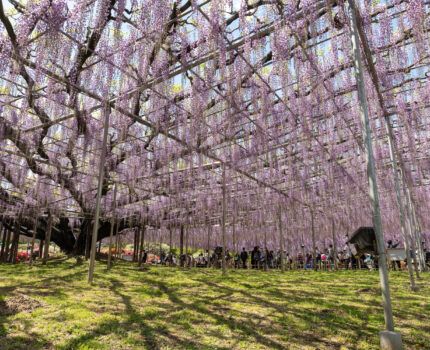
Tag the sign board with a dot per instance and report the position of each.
(127, 257)
(396, 254)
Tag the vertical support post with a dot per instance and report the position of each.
(15, 240)
(181, 241)
(7, 250)
(265, 249)
(47, 238)
(3, 244)
(209, 237)
(314, 249)
(33, 238)
(134, 245)
(303, 252)
(117, 255)
(391, 139)
(417, 231)
(170, 239)
(281, 239)
(187, 229)
(234, 234)
(410, 227)
(112, 225)
(371, 172)
(142, 243)
(334, 244)
(137, 243)
(400, 203)
(223, 220)
(99, 195)
(161, 242)
(87, 240)
(41, 248)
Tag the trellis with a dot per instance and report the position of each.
(219, 111)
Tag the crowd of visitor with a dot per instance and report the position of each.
(258, 258)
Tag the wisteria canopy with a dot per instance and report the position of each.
(258, 96)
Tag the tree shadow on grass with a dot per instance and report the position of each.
(243, 328)
(313, 319)
(29, 341)
(136, 322)
(350, 318)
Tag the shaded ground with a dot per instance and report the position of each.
(169, 308)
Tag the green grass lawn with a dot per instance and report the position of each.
(170, 308)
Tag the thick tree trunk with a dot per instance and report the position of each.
(3, 244)
(63, 235)
(12, 248)
(16, 246)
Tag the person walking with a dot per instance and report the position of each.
(244, 257)
(255, 257)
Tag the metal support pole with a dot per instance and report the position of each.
(223, 220)
(170, 245)
(234, 237)
(99, 195)
(303, 253)
(15, 240)
(112, 225)
(33, 238)
(371, 171)
(334, 244)
(3, 243)
(117, 255)
(314, 249)
(208, 227)
(142, 242)
(410, 226)
(265, 267)
(400, 204)
(47, 239)
(417, 232)
(281, 239)
(391, 139)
